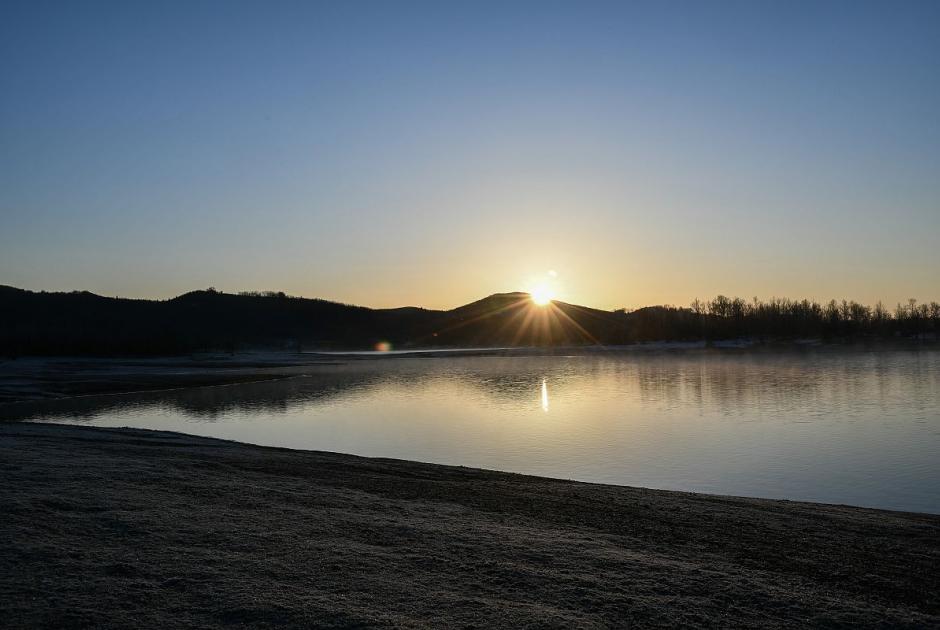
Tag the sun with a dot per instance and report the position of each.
(542, 295)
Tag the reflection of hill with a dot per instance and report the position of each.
(737, 383)
(266, 397)
(279, 396)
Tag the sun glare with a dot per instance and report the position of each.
(542, 295)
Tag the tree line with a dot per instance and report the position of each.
(724, 318)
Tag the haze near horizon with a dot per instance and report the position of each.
(421, 155)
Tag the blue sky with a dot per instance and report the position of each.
(432, 153)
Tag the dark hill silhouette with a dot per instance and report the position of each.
(82, 323)
(511, 319)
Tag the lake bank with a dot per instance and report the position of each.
(30, 379)
(48, 378)
(117, 527)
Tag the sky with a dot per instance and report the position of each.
(430, 154)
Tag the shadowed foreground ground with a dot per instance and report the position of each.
(130, 528)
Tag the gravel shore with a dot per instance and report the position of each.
(130, 528)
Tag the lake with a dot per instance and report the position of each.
(835, 426)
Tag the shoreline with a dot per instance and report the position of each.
(117, 527)
(36, 379)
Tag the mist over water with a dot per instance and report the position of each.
(853, 427)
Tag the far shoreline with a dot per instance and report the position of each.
(39, 378)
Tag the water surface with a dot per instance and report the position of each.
(854, 427)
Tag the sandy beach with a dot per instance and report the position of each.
(121, 528)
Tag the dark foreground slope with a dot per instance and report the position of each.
(127, 528)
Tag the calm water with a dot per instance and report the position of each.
(860, 428)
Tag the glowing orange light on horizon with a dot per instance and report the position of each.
(542, 295)
(383, 346)
(544, 289)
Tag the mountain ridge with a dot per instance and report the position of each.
(81, 322)
(84, 323)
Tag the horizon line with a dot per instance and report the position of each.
(267, 293)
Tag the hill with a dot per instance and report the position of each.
(82, 323)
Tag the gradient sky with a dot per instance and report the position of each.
(397, 153)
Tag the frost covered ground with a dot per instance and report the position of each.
(129, 528)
